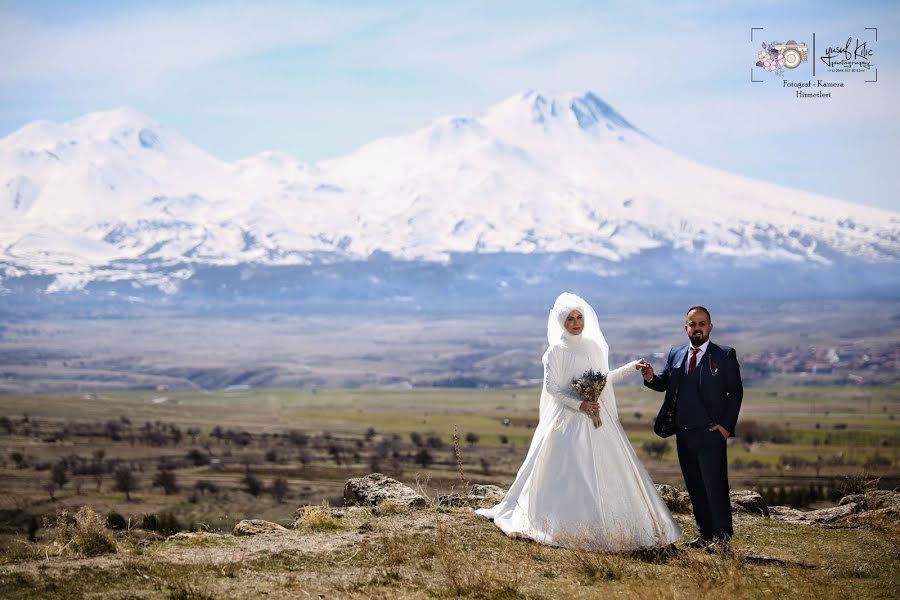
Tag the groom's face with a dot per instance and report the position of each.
(698, 327)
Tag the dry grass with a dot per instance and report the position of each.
(430, 554)
(497, 578)
(318, 518)
(389, 507)
(185, 591)
(84, 535)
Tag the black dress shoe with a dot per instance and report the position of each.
(718, 545)
(698, 542)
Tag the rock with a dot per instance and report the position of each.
(480, 496)
(256, 527)
(885, 500)
(196, 535)
(851, 511)
(748, 501)
(675, 499)
(340, 512)
(824, 517)
(376, 488)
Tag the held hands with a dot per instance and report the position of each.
(645, 368)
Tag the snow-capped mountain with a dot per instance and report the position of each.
(116, 197)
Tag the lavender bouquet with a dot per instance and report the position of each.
(588, 387)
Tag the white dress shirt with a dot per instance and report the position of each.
(687, 359)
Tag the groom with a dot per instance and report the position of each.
(702, 382)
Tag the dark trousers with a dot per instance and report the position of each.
(704, 465)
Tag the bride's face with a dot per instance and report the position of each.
(575, 322)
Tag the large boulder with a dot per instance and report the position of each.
(480, 496)
(376, 488)
(748, 501)
(256, 527)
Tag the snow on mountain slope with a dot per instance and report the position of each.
(534, 173)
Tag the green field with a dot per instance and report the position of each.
(787, 437)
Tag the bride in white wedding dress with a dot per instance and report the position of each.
(582, 486)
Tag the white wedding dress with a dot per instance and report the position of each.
(581, 486)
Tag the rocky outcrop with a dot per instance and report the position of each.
(256, 527)
(376, 488)
(849, 512)
(823, 517)
(748, 501)
(479, 496)
(677, 500)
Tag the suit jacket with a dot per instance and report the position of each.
(721, 390)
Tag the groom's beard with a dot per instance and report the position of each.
(698, 339)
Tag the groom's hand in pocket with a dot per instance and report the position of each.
(721, 430)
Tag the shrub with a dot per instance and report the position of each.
(317, 518)
(203, 486)
(169, 525)
(656, 449)
(424, 458)
(115, 520)
(753, 431)
(86, 535)
(279, 489)
(125, 481)
(150, 522)
(59, 474)
(166, 480)
(252, 484)
(197, 457)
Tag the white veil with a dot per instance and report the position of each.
(591, 341)
(556, 331)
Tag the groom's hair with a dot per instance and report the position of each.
(703, 308)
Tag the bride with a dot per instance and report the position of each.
(582, 486)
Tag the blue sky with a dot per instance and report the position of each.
(319, 79)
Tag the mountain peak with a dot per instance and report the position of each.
(585, 111)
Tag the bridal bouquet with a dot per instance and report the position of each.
(588, 388)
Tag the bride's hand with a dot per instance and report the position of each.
(589, 407)
(645, 368)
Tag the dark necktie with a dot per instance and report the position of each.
(693, 364)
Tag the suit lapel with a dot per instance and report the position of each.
(679, 360)
(708, 356)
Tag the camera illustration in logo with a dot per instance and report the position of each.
(776, 56)
(794, 53)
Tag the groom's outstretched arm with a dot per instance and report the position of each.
(658, 382)
(734, 390)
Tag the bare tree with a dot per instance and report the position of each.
(279, 489)
(252, 485)
(126, 482)
(59, 474)
(166, 480)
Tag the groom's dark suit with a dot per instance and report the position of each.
(694, 402)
